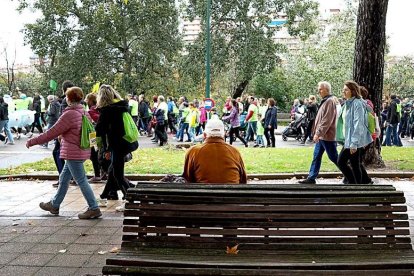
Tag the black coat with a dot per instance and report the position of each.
(110, 127)
(271, 117)
(4, 112)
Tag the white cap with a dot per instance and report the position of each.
(214, 128)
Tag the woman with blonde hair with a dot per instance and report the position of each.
(110, 128)
(69, 127)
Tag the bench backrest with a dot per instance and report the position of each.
(266, 217)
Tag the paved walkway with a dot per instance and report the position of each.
(33, 242)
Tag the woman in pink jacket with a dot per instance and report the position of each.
(68, 127)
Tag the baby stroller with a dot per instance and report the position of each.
(297, 128)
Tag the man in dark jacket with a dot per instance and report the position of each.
(393, 119)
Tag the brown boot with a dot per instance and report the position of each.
(47, 206)
(90, 214)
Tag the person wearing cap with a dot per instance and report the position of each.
(214, 161)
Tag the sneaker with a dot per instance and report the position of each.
(256, 145)
(90, 214)
(307, 181)
(94, 179)
(102, 202)
(18, 136)
(120, 208)
(262, 146)
(44, 146)
(48, 207)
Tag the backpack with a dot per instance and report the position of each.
(88, 133)
(371, 123)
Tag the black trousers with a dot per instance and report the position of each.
(116, 179)
(161, 133)
(354, 172)
(36, 123)
(95, 162)
(56, 157)
(234, 131)
(270, 136)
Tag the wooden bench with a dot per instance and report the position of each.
(188, 229)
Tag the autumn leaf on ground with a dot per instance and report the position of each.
(232, 250)
(62, 251)
(114, 250)
(102, 252)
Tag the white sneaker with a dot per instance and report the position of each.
(29, 134)
(102, 202)
(120, 208)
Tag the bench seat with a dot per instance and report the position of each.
(191, 229)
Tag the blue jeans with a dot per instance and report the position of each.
(5, 124)
(75, 169)
(392, 131)
(320, 148)
(259, 140)
(184, 127)
(251, 130)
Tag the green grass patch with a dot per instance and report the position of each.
(257, 160)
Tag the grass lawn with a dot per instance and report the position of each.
(257, 160)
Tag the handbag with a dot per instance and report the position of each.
(88, 133)
(131, 130)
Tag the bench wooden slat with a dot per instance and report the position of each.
(279, 187)
(265, 216)
(296, 224)
(265, 209)
(354, 199)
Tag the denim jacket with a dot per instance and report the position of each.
(356, 134)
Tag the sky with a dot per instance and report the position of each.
(399, 22)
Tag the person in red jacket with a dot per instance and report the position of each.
(68, 127)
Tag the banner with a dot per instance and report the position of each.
(53, 85)
(95, 87)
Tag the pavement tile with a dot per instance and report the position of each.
(18, 270)
(90, 271)
(30, 238)
(110, 222)
(97, 260)
(84, 249)
(57, 271)
(84, 222)
(15, 229)
(47, 230)
(6, 258)
(93, 239)
(5, 222)
(52, 248)
(73, 230)
(32, 259)
(102, 230)
(14, 247)
(55, 221)
(65, 239)
(5, 237)
(69, 260)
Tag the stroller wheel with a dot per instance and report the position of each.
(284, 138)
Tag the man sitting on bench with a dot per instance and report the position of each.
(214, 161)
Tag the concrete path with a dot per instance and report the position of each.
(33, 242)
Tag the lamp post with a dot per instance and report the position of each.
(208, 48)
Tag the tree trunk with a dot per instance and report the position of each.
(238, 91)
(369, 59)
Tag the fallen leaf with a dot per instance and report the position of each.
(62, 251)
(14, 231)
(15, 224)
(31, 223)
(232, 250)
(82, 234)
(102, 252)
(313, 262)
(114, 250)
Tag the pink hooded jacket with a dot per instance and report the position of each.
(69, 127)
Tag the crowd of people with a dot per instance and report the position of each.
(349, 121)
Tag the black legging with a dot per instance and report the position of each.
(95, 162)
(236, 132)
(355, 173)
(116, 175)
(270, 136)
(36, 123)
